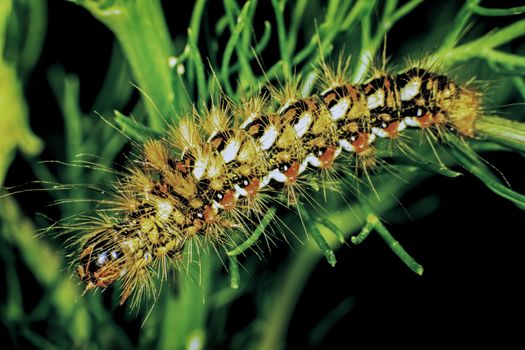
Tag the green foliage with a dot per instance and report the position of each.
(175, 75)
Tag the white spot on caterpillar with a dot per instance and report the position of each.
(164, 209)
(411, 121)
(269, 137)
(337, 152)
(347, 146)
(377, 99)
(339, 110)
(102, 259)
(410, 90)
(312, 160)
(239, 191)
(284, 107)
(200, 167)
(380, 132)
(230, 151)
(274, 174)
(214, 170)
(402, 126)
(303, 125)
(249, 120)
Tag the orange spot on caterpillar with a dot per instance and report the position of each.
(392, 129)
(292, 172)
(426, 121)
(327, 158)
(161, 187)
(361, 143)
(351, 91)
(183, 168)
(228, 201)
(209, 214)
(253, 187)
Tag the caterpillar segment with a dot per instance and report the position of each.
(203, 180)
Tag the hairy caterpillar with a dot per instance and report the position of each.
(203, 181)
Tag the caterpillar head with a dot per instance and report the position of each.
(100, 265)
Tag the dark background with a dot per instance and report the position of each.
(471, 246)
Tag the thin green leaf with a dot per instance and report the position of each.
(135, 130)
(470, 161)
(511, 11)
(318, 237)
(235, 277)
(265, 221)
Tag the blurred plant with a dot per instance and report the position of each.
(172, 78)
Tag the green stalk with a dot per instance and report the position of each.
(373, 222)
(265, 221)
(14, 109)
(483, 11)
(141, 30)
(484, 47)
(506, 132)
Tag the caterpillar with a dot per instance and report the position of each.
(204, 180)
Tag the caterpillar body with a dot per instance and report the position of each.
(202, 181)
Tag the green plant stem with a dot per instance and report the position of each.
(141, 30)
(278, 7)
(506, 132)
(67, 92)
(484, 47)
(461, 20)
(196, 61)
(373, 223)
(313, 230)
(297, 17)
(34, 38)
(235, 277)
(520, 85)
(421, 163)
(267, 218)
(483, 11)
(230, 47)
(332, 227)
(13, 107)
(470, 161)
(294, 277)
